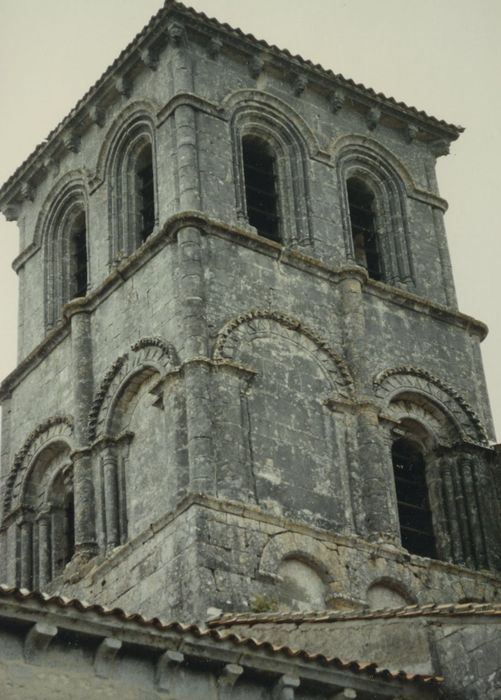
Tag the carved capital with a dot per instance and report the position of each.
(337, 100)
(256, 66)
(214, 47)
(373, 118)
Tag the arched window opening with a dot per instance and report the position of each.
(69, 527)
(145, 193)
(62, 509)
(260, 174)
(78, 257)
(363, 227)
(416, 527)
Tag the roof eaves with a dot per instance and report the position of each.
(360, 90)
(44, 600)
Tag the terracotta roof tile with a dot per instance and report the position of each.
(62, 602)
(426, 610)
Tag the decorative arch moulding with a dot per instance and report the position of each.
(54, 429)
(167, 234)
(153, 353)
(235, 330)
(389, 383)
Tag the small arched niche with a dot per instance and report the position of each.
(302, 587)
(384, 594)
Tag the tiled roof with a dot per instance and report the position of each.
(452, 130)
(298, 618)
(44, 600)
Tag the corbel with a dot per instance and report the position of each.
(97, 115)
(11, 212)
(176, 33)
(71, 141)
(411, 132)
(337, 100)
(105, 656)
(440, 147)
(284, 688)
(256, 66)
(373, 118)
(346, 694)
(51, 163)
(27, 191)
(150, 57)
(299, 83)
(123, 86)
(37, 641)
(166, 665)
(215, 47)
(227, 679)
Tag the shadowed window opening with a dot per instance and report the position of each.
(69, 527)
(79, 271)
(363, 227)
(145, 193)
(260, 173)
(416, 528)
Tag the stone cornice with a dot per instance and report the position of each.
(142, 55)
(167, 233)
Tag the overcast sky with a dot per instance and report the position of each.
(443, 56)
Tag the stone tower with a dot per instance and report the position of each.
(243, 379)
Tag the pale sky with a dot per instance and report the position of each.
(443, 56)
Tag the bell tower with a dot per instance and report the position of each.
(243, 378)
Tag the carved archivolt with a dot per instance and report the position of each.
(246, 99)
(257, 117)
(244, 328)
(427, 414)
(364, 162)
(137, 111)
(76, 179)
(54, 429)
(391, 383)
(148, 353)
